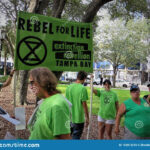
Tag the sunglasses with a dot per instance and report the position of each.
(31, 83)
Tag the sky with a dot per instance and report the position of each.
(2, 16)
(2, 19)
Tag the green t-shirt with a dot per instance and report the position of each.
(52, 118)
(137, 117)
(107, 109)
(76, 93)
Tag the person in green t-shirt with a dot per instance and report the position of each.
(51, 120)
(107, 110)
(137, 116)
(147, 97)
(8, 81)
(77, 94)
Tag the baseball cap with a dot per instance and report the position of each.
(134, 88)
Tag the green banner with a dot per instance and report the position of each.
(58, 44)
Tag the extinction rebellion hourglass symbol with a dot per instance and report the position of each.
(31, 51)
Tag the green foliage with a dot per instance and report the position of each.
(138, 40)
(123, 42)
(128, 9)
(3, 79)
(74, 10)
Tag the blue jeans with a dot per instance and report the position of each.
(76, 130)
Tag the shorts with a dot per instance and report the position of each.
(106, 121)
(76, 130)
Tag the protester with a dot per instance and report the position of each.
(137, 116)
(8, 81)
(148, 87)
(77, 94)
(51, 120)
(147, 97)
(107, 110)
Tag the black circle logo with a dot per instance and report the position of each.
(106, 100)
(31, 51)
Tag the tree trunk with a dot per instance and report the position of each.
(143, 77)
(5, 63)
(58, 6)
(0, 50)
(23, 86)
(92, 9)
(10, 46)
(114, 75)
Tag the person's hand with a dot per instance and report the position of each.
(92, 76)
(13, 116)
(12, 72)
(117, 131)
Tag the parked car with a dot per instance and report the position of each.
(123, 83)
(70, 79)
(95, 82)
(87, 81)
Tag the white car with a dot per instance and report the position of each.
(95, 82)
(123, 83)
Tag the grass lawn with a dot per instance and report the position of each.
(122, 96)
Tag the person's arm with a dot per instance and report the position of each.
(148, 99)
(117, 106)
(116, 103)
(84, 98)
(121, 112)
(63, 137)
(86, 113)
(5, 84)
(95, 91)
(60, 123)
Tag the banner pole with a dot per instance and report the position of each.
(14, 89)
(91, 100)
(15, 74)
